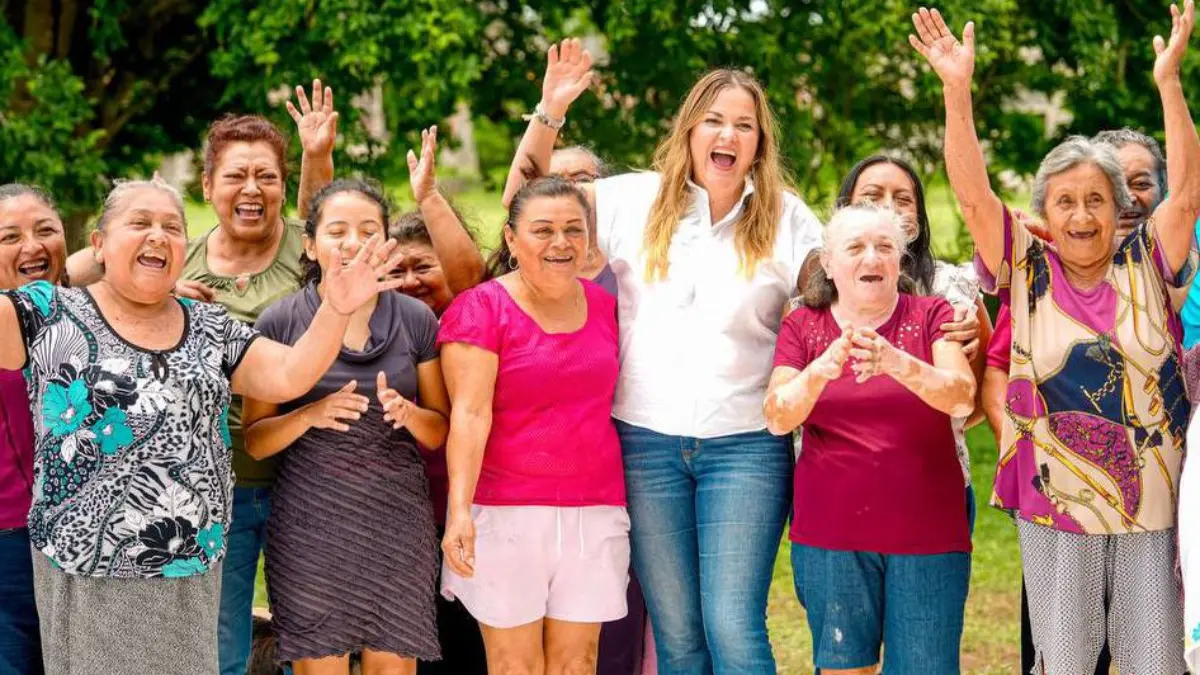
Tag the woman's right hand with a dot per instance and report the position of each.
(828, 365)
(954, 62)
(568, 74)
(333, 411)
(458, 546)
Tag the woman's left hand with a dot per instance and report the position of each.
(964, 328)
(396, 408)
(872, 355)
(350, 286)
(1169, 54)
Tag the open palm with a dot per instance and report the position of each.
(1169, 54)
(350, 286)
(316, 123)
(953, 61)
(421, 171)
(568, 74)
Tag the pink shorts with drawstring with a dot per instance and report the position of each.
(551, 562)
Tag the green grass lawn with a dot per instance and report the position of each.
(991, 642)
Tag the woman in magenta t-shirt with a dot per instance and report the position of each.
(33, 247)
(880, 544)
(537, 536)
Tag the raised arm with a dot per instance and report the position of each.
(458, 253)
(317, 125)
(791, 393)
(954, 63)
(946, 384)
(568, 74)
(470, 373)
(273, 373)
(1176, 216)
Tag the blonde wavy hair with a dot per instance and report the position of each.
(754, 234)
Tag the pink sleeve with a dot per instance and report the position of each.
(1017, 241)
(790, 348)
(474, 319)
(1000, 348)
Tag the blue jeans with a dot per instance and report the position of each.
(246, 538)
(20, 641)
(707, 515)
(857, 602)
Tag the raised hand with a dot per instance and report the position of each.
(317, 123)
(396, 408)
(421, 172)
(350, 286)
(568, 74)
(954, 62)
(873, 355)
(828, 365)
(335, 410)
(1169, 54)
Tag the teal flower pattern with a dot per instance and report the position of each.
(183, 567)
(40, 292)
(112, 433)
(65, 408)
(212, 539)
(162, 511)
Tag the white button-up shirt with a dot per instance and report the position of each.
(697, 347)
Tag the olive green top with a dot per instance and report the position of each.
(246, 298)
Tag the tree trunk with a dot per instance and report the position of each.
(77, 230)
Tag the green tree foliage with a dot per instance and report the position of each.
(100, 89)
(95, 89)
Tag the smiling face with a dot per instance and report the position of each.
(862, 258)
(550, 239)
(421, 276)
(348, 219)
(1081, 213)
(724, 144)
(246, 190)
(886, 184)
(1141, 176)
(33, 246)
(142, 245)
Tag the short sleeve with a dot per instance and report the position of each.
(623, 204)
(940, 312)
(424, 332)
(234, 336)
(272, 323)
(999, 350)
(806, 237)
(1017, 242)
(473, 319)
(35, 304)
(606, 203)
(1187, 272)
(790, 349)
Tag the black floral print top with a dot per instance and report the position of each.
(132, 472)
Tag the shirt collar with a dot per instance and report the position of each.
(701, 193)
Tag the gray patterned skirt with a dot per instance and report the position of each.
(100, 626)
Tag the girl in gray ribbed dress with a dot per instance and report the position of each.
(351, 558)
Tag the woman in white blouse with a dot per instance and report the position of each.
(706, 250)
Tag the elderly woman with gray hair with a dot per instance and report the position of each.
(130, 390)
(1093, 436)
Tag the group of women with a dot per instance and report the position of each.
(517, 465)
